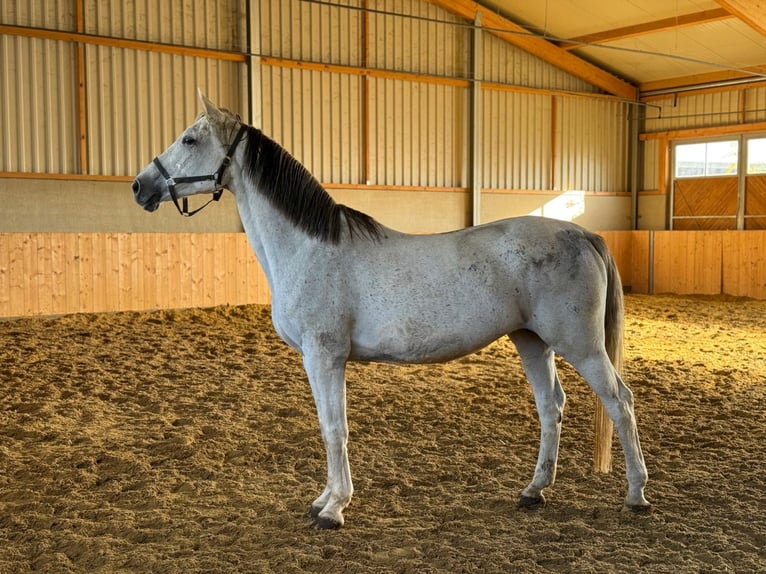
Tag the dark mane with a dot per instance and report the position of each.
(298, 195)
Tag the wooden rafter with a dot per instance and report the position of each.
(647, 28)
(753, 72)
(751, 12)
(521, 37)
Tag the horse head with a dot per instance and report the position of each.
(195, 163)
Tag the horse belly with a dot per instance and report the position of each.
(412, 344)
(427, 337)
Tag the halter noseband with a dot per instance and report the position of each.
(217, 177)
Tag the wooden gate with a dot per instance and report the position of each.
(703, 203)
(755, 202)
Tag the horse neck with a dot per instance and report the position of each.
(274, 239)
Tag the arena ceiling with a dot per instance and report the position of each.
(650, 44)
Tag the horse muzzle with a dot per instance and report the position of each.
(144, 196)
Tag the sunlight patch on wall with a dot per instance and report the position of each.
(567, 207)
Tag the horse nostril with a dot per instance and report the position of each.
(136, 187)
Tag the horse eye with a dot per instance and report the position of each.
(188, 140)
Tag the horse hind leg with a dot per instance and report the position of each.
(617, 398)
(537, 358)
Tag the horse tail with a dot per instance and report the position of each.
(614, 314)
(614, 310)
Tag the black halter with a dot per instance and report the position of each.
(217, 177)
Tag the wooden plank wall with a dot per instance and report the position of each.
(744, 264)
(630, 250)
(58, 273)
(710, 263)
(687, 262)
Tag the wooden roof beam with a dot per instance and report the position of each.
(646, 28)
(706, 79)
(751, 12)
(537, 46)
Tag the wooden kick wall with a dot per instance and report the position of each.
(710, 263)
(59, 273)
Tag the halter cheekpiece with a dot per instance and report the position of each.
(217, 177)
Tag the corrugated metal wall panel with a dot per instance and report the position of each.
(299, 30)
(214, 24)
(138, 102)
(516, 142)
(694, 111)
(316, 116)
(37, 106)
(52, 14)
(507, 64)
(420, 38)
(709, 109)
(650, 180)
(755, 104)
(591, 145)
(37, 86)
(418, 133)
(333, 34)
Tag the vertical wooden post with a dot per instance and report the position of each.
(634, 117)
(365, 95)
(663, 165)
(475, 121)
(82, 106)
(554, 122)
(253, 40)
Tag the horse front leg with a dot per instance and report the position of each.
(326, 373)
(537, 358)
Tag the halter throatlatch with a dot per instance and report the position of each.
(216, 177)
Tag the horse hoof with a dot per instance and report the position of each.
(639, 508)
(314, 511)
(531, 502)
(324, 523)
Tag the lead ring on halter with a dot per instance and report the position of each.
(217, 177)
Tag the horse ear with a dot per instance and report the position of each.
(210, 108)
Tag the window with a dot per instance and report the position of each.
(711, 158)
(719, 184)
(756, 156)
